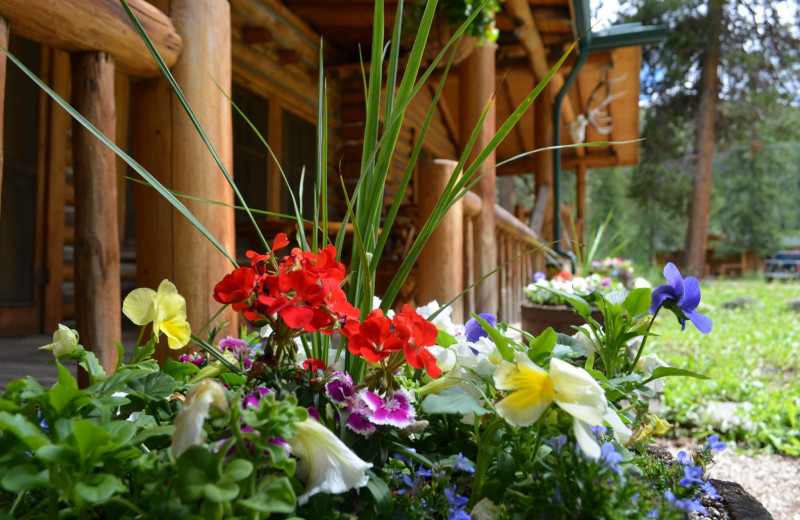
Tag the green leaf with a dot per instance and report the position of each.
(27, 432)
(196, 468)
(179, 371)
(58, 454)
(89, 437)
(220, 492)
(65, 377)
(499, 340)
(24, 477)
(616, 298)
(672, 371)
(443, 339)
(165, 430)
(580, 305)
(452, 400)
(156, 387)
(143, 352)
(238, 469)
(121, 431)
(543, 343)
(233, 380)
(637, 302)
(97, 488)
(384, 504)
(276, 496)
(92, 365)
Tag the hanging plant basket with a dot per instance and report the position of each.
(536, 318)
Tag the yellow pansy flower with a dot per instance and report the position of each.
(531, 390)
(165, 308)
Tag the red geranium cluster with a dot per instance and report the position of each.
(302, 288)
(378, 337)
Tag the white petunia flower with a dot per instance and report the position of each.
(189, 423)
(326, 464)
(64, 341)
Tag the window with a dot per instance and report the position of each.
(299, 153)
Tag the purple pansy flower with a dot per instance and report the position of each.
(395, 411)
(681, 296)
(234, 345)
(539, 276)
(474, 331)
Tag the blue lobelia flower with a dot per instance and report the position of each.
(474, 331)
(713, 443)
(681, 296)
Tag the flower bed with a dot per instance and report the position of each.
(417, 417)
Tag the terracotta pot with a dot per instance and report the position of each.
(536, 318)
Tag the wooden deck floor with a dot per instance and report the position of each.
(20, 356)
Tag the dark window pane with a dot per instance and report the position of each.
(299, 152)
(250, 162)
(18, 206)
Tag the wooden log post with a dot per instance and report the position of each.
(3, 60)
(441, 263)
(168, 145)
(476, 84)
(97, 291)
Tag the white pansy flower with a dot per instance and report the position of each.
(443, 320)
(648, 364)
(326, 464)
(189, 423)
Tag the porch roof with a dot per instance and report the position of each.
(606, 93)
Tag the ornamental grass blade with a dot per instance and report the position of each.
(178, 205)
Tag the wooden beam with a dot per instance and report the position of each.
(172, 150)
(543, 163)
(97, 25)
(447, 241)
(531, 39)
(447, 115)
(59, 122)
(122, 98)
(3, 61)
(254, 35)
(97, 284)
(476, 88)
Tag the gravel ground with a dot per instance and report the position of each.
(773, 480)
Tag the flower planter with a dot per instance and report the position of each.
(536, 318)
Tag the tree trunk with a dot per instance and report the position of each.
(697, 234)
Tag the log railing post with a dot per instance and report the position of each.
(4, 43)
(97, 285)
(476, 88)
(167, 144)
(441, 263)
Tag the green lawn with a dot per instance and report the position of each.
(752, 355)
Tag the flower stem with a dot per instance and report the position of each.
(482, 464)
(644, 340)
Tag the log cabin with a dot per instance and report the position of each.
(76, 234)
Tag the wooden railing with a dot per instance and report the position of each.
(514, 239)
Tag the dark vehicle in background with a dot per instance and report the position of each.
(784, 265)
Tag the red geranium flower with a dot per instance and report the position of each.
(236, 286)
(417, 333)
(374, 339)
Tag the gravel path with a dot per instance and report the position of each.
(773, 480)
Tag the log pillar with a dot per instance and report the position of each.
(543, 162)
(476, 88)
(440, 266)
(97, 291)
(167, 144)
(3, 60)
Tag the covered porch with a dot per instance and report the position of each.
(265, 53)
